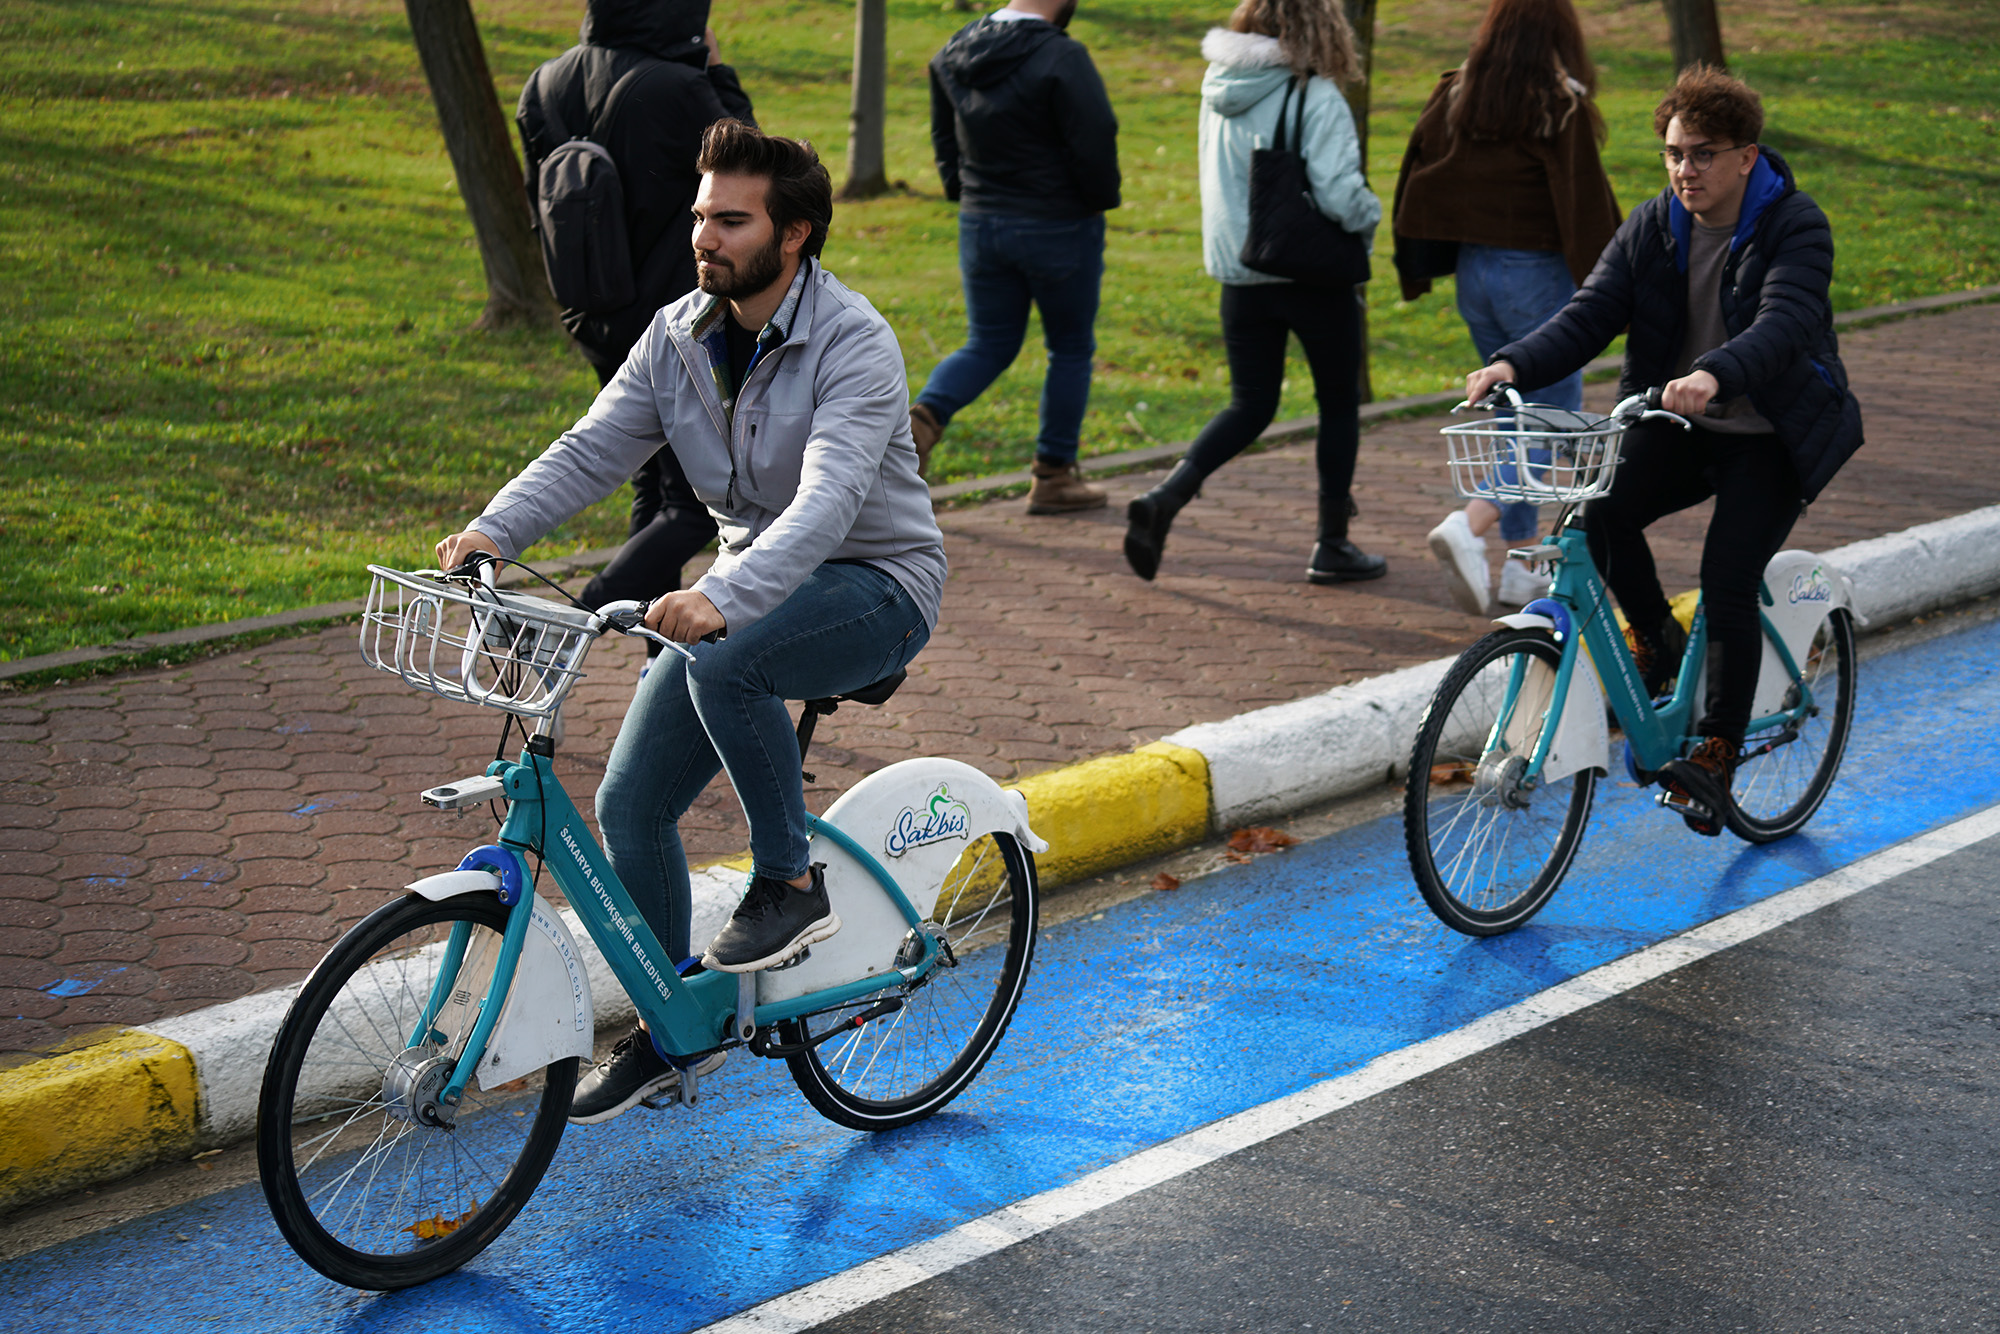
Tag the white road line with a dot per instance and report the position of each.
(905, 1268)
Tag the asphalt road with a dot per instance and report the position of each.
(1213, 1112)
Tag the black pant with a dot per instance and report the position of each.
(668, 525)
(1757, 501)
(1256, 320)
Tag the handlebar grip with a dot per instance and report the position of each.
(1653, 398)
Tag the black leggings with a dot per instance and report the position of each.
(1255, 323)
(1757, 501)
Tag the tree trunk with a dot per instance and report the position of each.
(482, 158)
(1361, 17)
(867, 170)
(1696, 32)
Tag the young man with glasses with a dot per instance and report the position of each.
(1723, 282)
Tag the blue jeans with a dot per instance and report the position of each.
(846, 627)
(1508, 294)
(1010, 261)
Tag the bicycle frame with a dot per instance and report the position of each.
(1578, 611)
(687, 1015)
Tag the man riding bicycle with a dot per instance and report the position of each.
(783, 397)
(1723, 281)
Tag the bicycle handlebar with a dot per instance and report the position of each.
(627, 616)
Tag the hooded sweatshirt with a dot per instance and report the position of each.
(1021, 124)
(1240, 98)
(653, 133)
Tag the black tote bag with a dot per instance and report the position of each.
(1288, 236)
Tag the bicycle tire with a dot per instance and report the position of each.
(1487, 854)
(1775, 793)
(903, 1067)
(398, 1222)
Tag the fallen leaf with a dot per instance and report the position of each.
(1444, 775)
(437, 1225)
(1259, 838)
(1164, 882)
(1236, 856)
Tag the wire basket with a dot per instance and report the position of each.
(1539, 454)
(465, 641)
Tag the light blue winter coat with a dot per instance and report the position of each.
(1240, 97)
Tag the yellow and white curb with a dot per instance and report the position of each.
(189, 1083)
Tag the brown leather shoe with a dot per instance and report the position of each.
(1062, 490)
(925, 429)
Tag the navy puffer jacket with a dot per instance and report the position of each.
(1782, 350)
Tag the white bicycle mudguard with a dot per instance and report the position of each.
(1582, 740)
(1804, 588)
(916, 818)
(548, 1015)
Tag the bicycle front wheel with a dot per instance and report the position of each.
(1788, 770)
(1488, 847)
(368, 1191)
(904, 1066)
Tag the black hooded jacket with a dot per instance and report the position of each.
(1020, 122)
(654, 137)
(1782, 350)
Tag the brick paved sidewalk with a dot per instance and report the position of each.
(174, 838)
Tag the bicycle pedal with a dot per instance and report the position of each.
(792, 962)
(1683, 805)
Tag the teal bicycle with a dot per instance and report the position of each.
(1510, 749)
(421, 1081)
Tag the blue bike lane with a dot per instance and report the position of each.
(1141, 1023)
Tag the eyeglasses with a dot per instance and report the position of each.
(1701, 159)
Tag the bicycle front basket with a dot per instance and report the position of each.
(465, 641)
(1541, 455)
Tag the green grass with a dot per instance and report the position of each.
(237, 283)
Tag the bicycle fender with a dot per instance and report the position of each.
(450, 884)
(548, 1015)
(1802, 588)
(1523, 620)
(917, 819)
(1583, 739)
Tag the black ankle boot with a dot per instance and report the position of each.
(1335, 560)
(1150, 515)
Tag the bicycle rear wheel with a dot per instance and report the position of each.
(367, 1196)
(1487, 848)
(904, 1066)
(1788, 771)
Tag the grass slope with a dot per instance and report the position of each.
(236, 280)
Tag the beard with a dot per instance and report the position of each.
(744, 278)
(1064, 15)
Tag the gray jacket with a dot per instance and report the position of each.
(811, 462)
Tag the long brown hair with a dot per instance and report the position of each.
(1313, 35)
(1513, 83)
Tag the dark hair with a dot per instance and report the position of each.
(1711, 102)
(1515, 81)
(798, 187)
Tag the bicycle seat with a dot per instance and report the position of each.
(877, 693)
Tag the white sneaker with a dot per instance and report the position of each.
(1520, 584)
(1463, 557)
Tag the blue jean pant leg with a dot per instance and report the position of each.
(1504, 295)
(846, 627)
(1010, 263)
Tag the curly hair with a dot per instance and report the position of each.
(1711, 102)
(1516, 80)
(1313, 35)
(799, 187)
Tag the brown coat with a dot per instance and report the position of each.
(1530, 194)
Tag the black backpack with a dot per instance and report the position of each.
(578, 204)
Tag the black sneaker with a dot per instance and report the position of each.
(632, 1073)
(774, 922)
